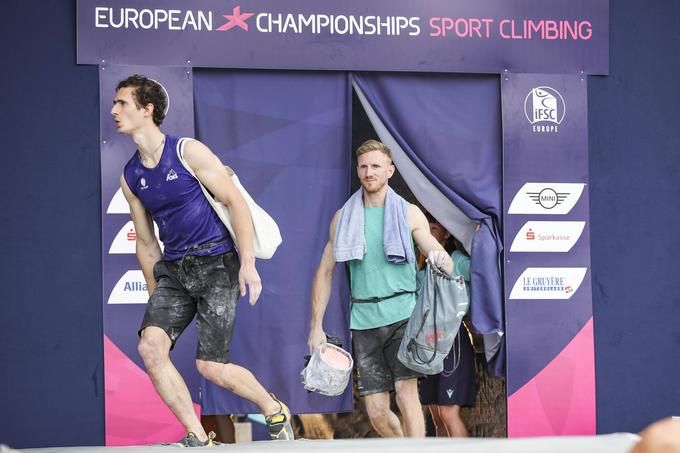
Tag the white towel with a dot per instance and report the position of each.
(349, 242)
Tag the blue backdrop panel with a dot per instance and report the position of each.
(449, 126)
(551, 375)
(634, 191)
(51, 358)
(286, 134)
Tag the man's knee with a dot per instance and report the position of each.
(407, 393)
(378, 413)
(450, 412)
(215, 372)
(154, 346)
(377, 408)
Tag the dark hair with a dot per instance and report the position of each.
(451, 243)
(147, 91)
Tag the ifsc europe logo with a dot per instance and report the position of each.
(544, 108)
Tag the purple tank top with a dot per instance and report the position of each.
(176, 203)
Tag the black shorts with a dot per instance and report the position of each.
(457, 383)
(375, 357)
(205, 286)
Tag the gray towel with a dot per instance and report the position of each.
(349, 242)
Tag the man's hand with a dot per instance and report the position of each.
(248, 276)
(441, 260)
(316, 337)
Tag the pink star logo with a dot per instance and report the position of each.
(236, 19)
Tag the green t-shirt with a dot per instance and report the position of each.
(374, 276)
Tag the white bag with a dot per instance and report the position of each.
(324, 377)
(266, 237)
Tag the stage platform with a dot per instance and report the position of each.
(610, 443)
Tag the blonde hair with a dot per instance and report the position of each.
(374, 145)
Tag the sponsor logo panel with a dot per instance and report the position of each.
(544, 108)
(546, 198)
(118, 204)
(548, 283)
(125, 240)
(130, 289)
(547, 236)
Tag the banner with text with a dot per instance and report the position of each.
(550, 363)
(135, 414)
(494, 36)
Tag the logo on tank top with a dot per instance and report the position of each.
(143, 183)
(171, 175)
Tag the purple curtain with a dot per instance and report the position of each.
(449, 127)
(286, 134)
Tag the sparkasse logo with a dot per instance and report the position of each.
(548, 236)
(544, 108)
(126, 240)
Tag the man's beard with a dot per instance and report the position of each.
(374, 188)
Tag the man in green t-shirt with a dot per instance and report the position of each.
(383, 297)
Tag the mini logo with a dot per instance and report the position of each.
(142, 181)
(171, 175)
(548, 283)
(449, 392)
(546, 198)
(544, 108)
(537, 236)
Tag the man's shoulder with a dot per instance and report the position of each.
(132, 162)
(415, 215)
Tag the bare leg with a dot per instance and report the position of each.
(154, 347)
(385, 422)
(409, 405)
(439, 426)
(454, 423)
(240, 381)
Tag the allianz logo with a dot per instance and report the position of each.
(129, 289)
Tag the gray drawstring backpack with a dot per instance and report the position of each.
(328, 372)
(441, 304)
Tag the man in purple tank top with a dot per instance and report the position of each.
(200, 274)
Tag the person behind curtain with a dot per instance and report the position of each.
(456, 386)
(376, 231)
(199, 272)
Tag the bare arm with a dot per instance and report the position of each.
(212, 174)
(428, 245)
(321, 291)
(147, 248)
